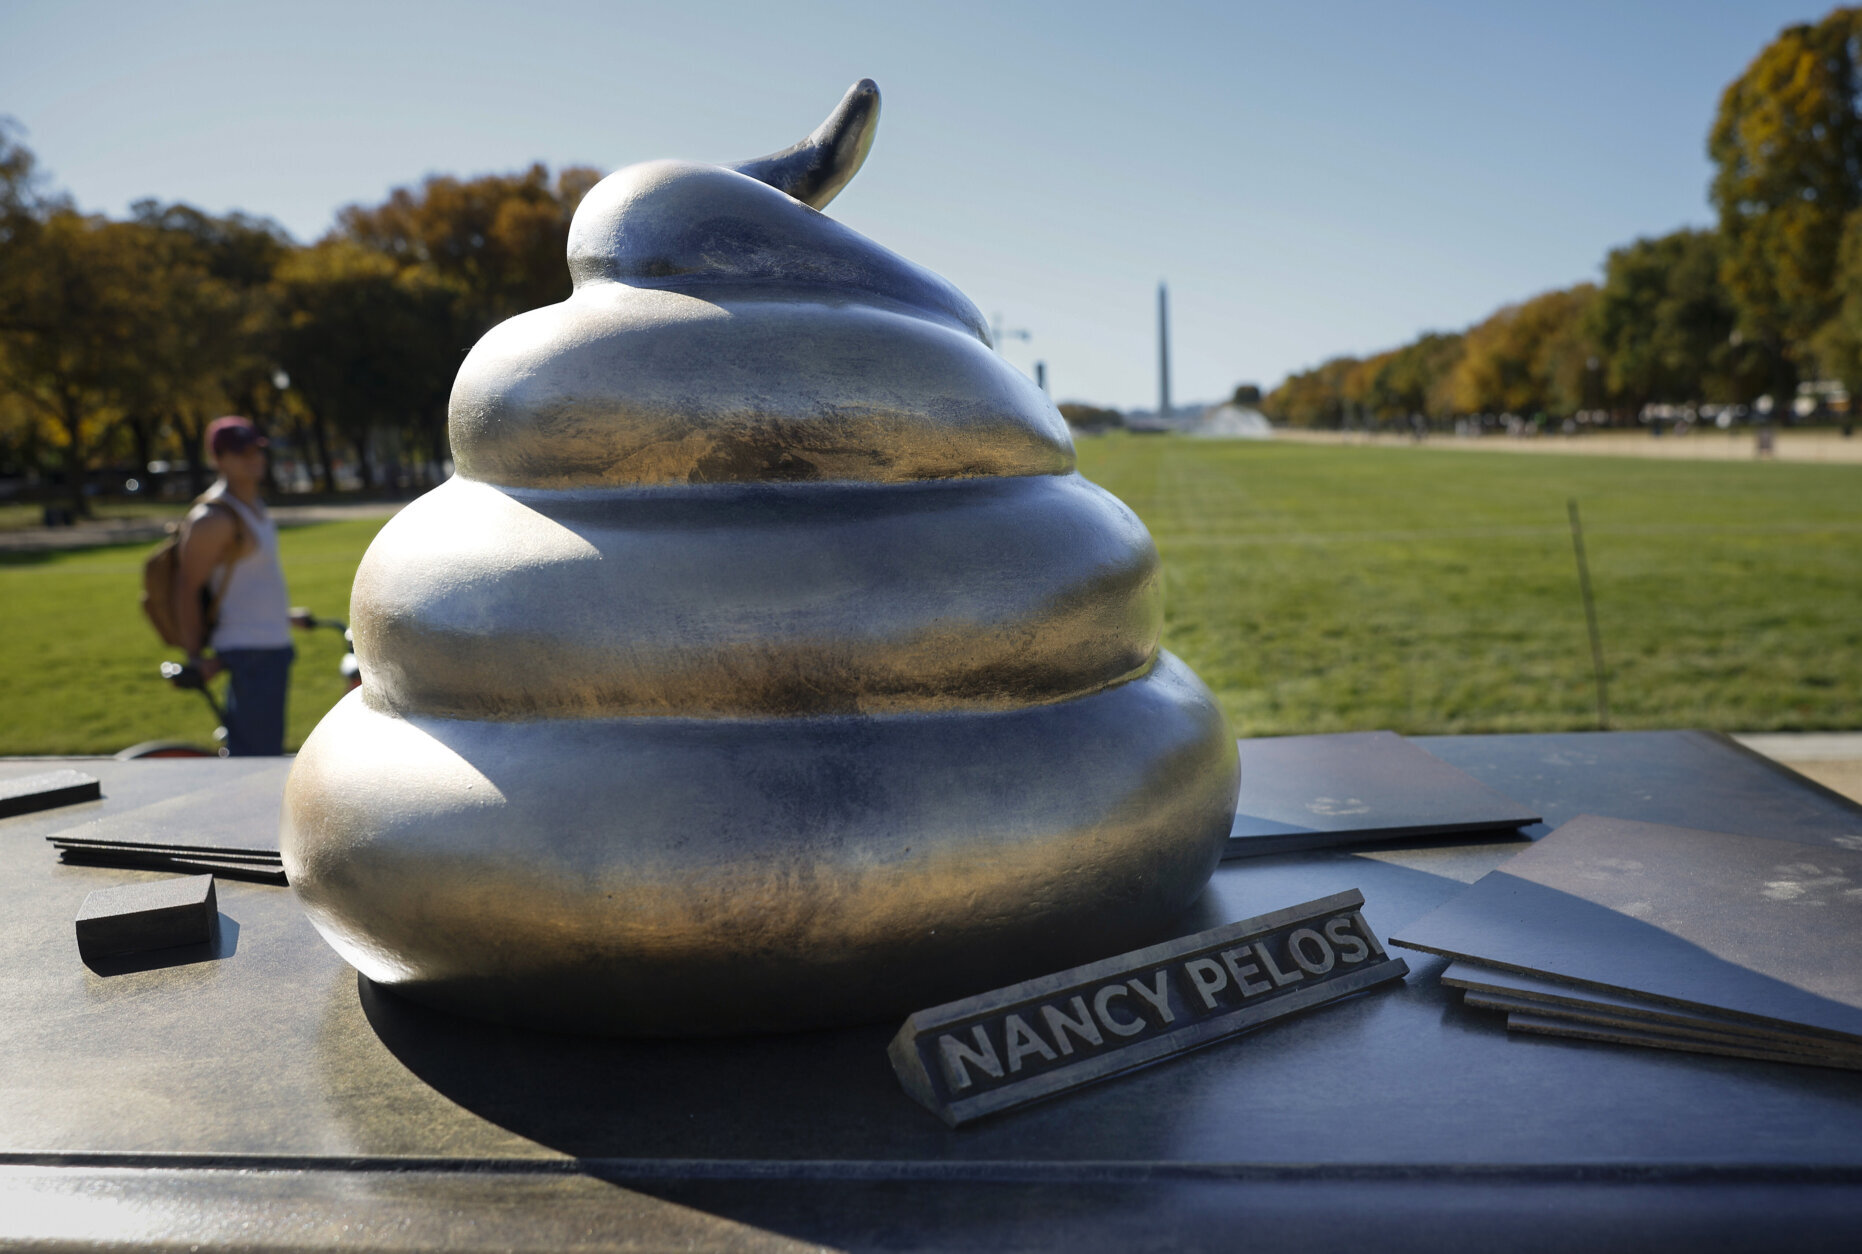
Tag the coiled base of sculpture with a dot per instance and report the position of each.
(678, 876)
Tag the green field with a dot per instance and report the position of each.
(80, 670)
(1314, 588)
(1434, 590)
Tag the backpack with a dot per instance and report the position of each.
(161, 571)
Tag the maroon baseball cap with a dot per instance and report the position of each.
(233, 434)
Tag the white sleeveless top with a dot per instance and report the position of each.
(255, 609)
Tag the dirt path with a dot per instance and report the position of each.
(1704, 446)
(105, 531)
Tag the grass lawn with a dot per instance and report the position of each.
(79, 674)
(1314, 588)
(1430, 590)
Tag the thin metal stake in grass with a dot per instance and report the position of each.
(1590, 616)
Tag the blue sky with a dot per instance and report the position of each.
(1311, 179)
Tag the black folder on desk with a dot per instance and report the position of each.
(1311, 792)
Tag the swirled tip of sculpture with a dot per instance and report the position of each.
(688, 226)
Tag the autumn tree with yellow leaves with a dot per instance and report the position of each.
(1772, 296)
(126, 338)
(1787, 144)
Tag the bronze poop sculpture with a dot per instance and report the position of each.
(766, 664)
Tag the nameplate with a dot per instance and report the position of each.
(1042, 1037)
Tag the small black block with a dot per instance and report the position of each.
(136, 917)
(46, 791)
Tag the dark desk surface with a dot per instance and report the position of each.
(181, 1102)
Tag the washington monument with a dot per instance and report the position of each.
(1163, 350)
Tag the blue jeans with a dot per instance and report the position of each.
(256, 684)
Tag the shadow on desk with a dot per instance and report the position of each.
(1405, 1069)
(827, 1095)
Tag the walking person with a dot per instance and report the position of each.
(229, 547)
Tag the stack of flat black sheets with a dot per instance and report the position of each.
(1668, 937)
(262, 866)
(205, 830)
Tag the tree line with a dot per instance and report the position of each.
(1769, 297)
(120, 340)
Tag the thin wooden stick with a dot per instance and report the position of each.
(1590, 617)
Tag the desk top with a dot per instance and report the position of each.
(275, 1054)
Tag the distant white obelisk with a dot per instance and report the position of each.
(1163, 350)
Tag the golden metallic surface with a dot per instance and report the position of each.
(766, 665)
(720, 381)
(662, 875)
(980, 593)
